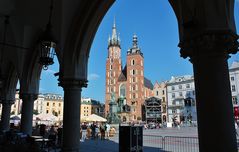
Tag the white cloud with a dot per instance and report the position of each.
(93, 76)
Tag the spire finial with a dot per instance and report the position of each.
(114, 25)
(114, 33)
(135, 41)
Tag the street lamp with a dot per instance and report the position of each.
(47, 44)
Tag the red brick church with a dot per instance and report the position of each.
(126, 83)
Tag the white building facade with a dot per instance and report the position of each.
(181, 99)
(234, 80)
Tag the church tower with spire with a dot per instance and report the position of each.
(113, 68)
(127, 86)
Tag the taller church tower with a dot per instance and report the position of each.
(113, 68)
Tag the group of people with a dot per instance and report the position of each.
(95, 130)
(51, 132)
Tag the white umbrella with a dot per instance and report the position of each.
(94, 117)
(46, 117)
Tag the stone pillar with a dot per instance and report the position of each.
(27, 112)
(71, 119)
(209, 54)
(6, 111)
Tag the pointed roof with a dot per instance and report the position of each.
(148, 83)
(114, 40)
(156, 85)
(123, 75)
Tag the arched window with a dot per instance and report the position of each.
(122, 90)
(132, 62)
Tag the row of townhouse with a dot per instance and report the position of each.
(178, 98)
(53, 104)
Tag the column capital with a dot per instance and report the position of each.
(210, 44)
(31, 96)
(69, 83)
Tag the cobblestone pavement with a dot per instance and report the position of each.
(113, 146)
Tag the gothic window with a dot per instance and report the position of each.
(132, 62)
(111, 67)
(133, 88)
(133, 72)
(134, 96)
(122, 90)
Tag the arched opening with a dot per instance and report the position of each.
(87, 29)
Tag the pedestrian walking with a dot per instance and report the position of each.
(84, 131)
(236, 127)
(107, 130)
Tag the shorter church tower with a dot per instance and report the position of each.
(135, 84)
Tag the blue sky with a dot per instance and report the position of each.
(155, 25)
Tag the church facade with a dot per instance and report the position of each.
(126, 84)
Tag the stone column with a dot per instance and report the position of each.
(209, 54)
(71, 119)
(6, 111)
(27, 112)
